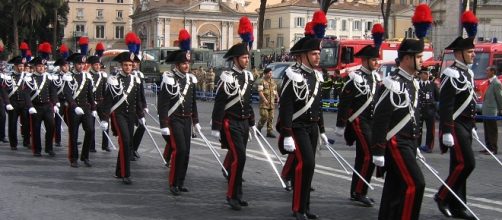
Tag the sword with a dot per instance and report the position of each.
(421, 159)
(106, 134)
(337, 159)
(488, 150)
(155, 143)
(268, 144)
(270, 160)
(152, 117)
(211, 148)
(350, 166)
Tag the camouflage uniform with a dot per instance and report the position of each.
(269, 90)
(209, 78)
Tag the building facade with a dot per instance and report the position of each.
(212, 24)
(105, 21)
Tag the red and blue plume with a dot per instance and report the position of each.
(138, 45)
(28, 55)
(377, 32)
(23, 47)
(100, 49)
(83, 43)
(246, 30)
(422, 20)
(309, 29)
(63, 50)
(45, 49)
(130, 41)
(184, 40)
(319, 23)
(470, 23)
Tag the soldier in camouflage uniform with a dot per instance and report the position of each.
(268, 94)
(209, 78)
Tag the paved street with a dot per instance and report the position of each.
(48, 188)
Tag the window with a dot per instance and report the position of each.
(80, 0)
(267, 41)
(80, 12)
(404, 2)
(119, 32)
(100, 0)
(267, 24)
(344, 25)
(280, 40)
(100, 31)
(299, 22)
(119, 13)
(120, 1)
(369, 25)
(99, 13)
(280, 22)
(80, 28)
(357, 26)
(332, 24)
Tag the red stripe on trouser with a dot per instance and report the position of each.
(459, 168)
(70, 147)
(235, 158)
(32, 136)
(174, 152)
(297, 192)
(367, 155)
(409, 197)
(286, 170)
(121, 146)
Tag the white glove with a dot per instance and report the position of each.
(419, 154)
(104, 125)
(339, 131)
(253, 131)
(215, 134)
(9, 107)
(324, 139)
(142, 120)
(146, 110)
(58, 105)
(32, 111)
(165, 131)
(198, 127)
(94, 114)
(78, 110)
(56, 109)
(448, 140)
(289, 144)
(379, 160)
(475, 133)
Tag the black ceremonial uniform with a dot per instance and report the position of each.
(59, 83)
(124, 114)
(394, 134)
(78, 94)
(355, 109)
(177, 109)
(304, 128)
(99, 82)
(140, 130)
(233, 116)
(427, 97)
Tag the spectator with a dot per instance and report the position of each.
(492, 106)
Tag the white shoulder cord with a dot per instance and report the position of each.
(401, 104)
(301, 91)
(228, 87)
(116, 90)
(175, 91)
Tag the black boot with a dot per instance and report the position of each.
(127, 181)
(234, 204)
(175, 191)
(442, 206)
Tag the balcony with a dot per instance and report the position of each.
(79, 33)
(79, 17)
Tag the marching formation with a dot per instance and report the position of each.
(382, 117)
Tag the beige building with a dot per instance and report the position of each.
(104, 21)
(212, 24)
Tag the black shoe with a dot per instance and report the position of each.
(132, 157)
(194, 135)
(13, 148)
(4, 140)
(224, 174)
(311, 215)
(366, 201)
(51, 153)
(79, 143)
(425, 149)
(135, 154)
(462, 214)
(74, 164)
(175, 191)
(300, 216)
(443, 208)
(288, 185)
(234, 204)
(182, 189)
(27, 145)
(57, 144)
(312, 189)
(127, 181)
(37, 154)
(87, 163)
(243, 203)
(270, 135)
(107, 149)
(92, 150)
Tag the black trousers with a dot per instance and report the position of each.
(491, 134)
(404, 185)
(18, 111)
(462, 163)
(363, 161)
(124, 126)
(326, 93)
(58, 123)
(428, 116)
(235, 135)
(74, 122)
(3, 119)
(45, 114)
(306, 139)
(287, 172)
(179, 141)
(104, 139)
(138, 136)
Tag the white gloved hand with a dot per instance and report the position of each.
(32, 111)
(253, 130)
(475, 133)
(379, 161)
(165, 131)
(104, 125)
(9, 107)
(56, 109)
(78, 110)
(94, 114)
(339, 131)
(198, 127)
(58, 105)
(448, 140)
(146, 110)
(215, 134)
(289, 144)
(324, 139)
(142, 120)
(419, 154)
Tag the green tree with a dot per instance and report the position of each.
(31, 11)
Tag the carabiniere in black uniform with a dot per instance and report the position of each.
(140, 130)
(59, 83)
(428, 95)
(122, 104)
(99, 79)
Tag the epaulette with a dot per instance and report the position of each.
(250, 75)
(88, 75)
(6, 77)
(377, 76)
(141, 75)
(137, 79)
(356, 77)
(318, 76)
(67, 77)
(167, 78)
(392, 85)
(104, 74)
(227, 77)
(112, 80)
(27, 78)
(193, 78)
(450, 72)
(294, 76)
